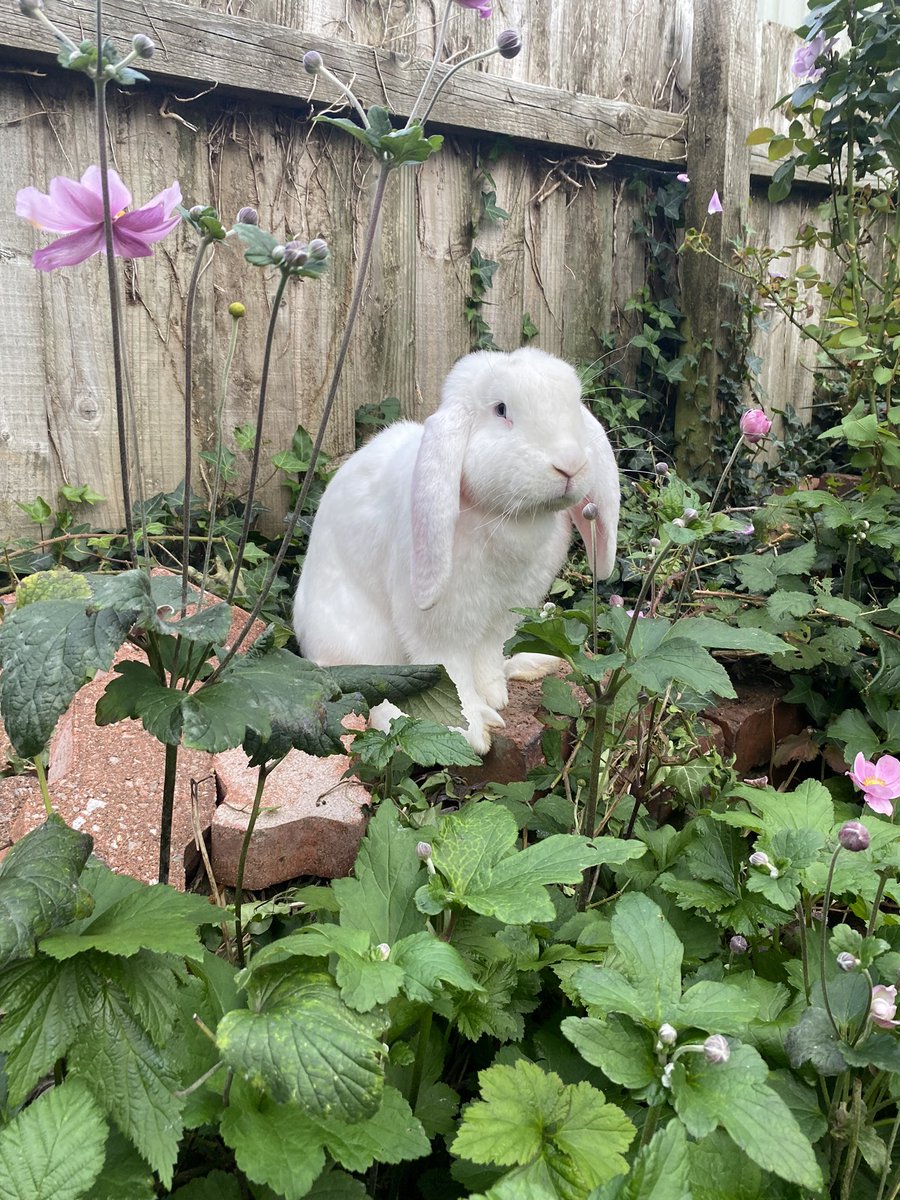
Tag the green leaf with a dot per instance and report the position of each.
(814, 1040)
(60, 584)
(155, 918)
(125, 1174)
(680, 660)
(380, 898)
(429, 744)
(395, 684)
(623, 1052)
(409, 145)
(217, 1185)
(48, 651)
(783, 605)
(365, 978)
(759, 137)
(561, 1134)
(715, 1007)
(809, 806)
(300, 1043)
(427, 963)
(128, 1076)
(391, 1135)
(259, 244)
(716, 635)
(53, 1150)
(734, 1094)
(274, 1144)
(39, 885)
(661, 1170)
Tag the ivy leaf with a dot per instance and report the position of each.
(661, 1170)
(391, 1135)
(129, 1078)
(274, 1144)
(380, 898)
(562, 1135)
(680, 660)
(39, 885)
(54, 1147)
(734, 1094)
(154, 918)
(623, 1052)
(48, 651)
(300, 1043)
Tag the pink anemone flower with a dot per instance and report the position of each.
(76, 211)
(883, 1006)
(879, 782)
(482, 7)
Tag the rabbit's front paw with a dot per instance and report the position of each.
(481, 721)
(531, 666)
(495, 693)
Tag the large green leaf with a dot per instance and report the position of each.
(53, 1150)
(365, 975)
(131, 1080)
(48, 650)
(680, 661)
(564, 1137)
(735, 1095)
(427, 963)
(274, 1144)
(622, 1051)
(395, 684)
(661, 1170)
(125, 1175)
(39, 885)
(299, 1042)
(154, 918)
(716, 635)
(715, 1007)
(390, 1135)
(217, 1185)
(380, 897)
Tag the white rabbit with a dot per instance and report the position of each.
(429, 535)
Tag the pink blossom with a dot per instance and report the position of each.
(883, 1006)
(76, 210)
(482, 7)
(683, 177)
(879, 782)
(715, 204)
(803, 64)
(755, 425)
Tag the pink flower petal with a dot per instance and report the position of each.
(168, 198)
(119, 195)
(67, 251)
(45, 212)
(715, 204)
(136, 232)
(879, 804)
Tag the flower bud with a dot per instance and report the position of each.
(759, 859)
(295, 255)
(277, 253)
(661, 468)
(143, 46)
(667, 1034)
(423, 851)
(689, 514)
(509, 43)
(755, 425)
(853, 835)
(312, 62)
(247, 216)
(716, 1049)
(318, 249)
(666, 1079)
(883, 1007)
(197, 211)
(738, 945)
(847, 961)
(589, 512)
(29, 7)
(679, 521)
(655, 543)
(236, 310)
(383, 951)
(616, 601)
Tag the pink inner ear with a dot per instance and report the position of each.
(584, 527)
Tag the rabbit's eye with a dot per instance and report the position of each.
(500, 409)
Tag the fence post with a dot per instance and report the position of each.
(726, 41)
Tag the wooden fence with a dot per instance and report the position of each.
(600, 90)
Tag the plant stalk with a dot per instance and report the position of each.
(205, 242)
(168, 808)
(261, 777)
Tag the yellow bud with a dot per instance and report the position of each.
(236, 310)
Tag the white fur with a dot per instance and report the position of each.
(430, 534)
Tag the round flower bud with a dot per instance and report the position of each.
(661, 468)
(197, 211)
(423, 851)
(667, 1034)
(277, 254)
(236, 310)
(738, 945)
(655, 543)
(318, 249)
(666, 1079)
(847, 961)
(143, 46)
(759, 859)
(383, 951)
(853, 835)
(509, 43)
(716, 1049)
(589, 512)
(689, 514)
(247, 216)
(312, 62)
(29, 7)
(295, 255)
(679, 521)
(755, 425)
(616, 601)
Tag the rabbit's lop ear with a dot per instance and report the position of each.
(604, 493)
(435, 501)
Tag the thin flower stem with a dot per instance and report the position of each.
(261, 777)
(415, 1082)
(257, 441)
(42, 781)
(883, 877)
(823, 943)
(362, 270)
(205, 243)
(115, 314)
(726, 471)
(890, 1156)
(438, 50)
(341, 86)
(217, 476)
(62, 38)
(465, 62)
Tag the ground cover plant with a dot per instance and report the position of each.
(633, 976)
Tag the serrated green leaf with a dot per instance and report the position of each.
(395, 684)
(259, 244)
(623, 1052)
(217, 1185)
(661, 1170)
(735, 1095)
(715, 1007)
(274, 1144)
(48, 651)
(651, 957)
(58, 584)
(365, 978)
(300, 1043)
(719, 1168)
(427, 963)
(155, 918)
(681, 661)
(716, 635)
(803, 1102)
(391, 1135)
(430, 744)
(809, 806)
(125, 1174)
(39, 885)
(409, 145)
(348, 126)
(53, 1149)
(530, 1118)
(380, 897)
(130, 1079)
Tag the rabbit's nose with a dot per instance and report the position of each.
(571, 464)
